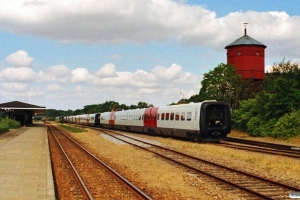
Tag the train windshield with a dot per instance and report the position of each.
(215, 113)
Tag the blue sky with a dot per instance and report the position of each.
(66, 55)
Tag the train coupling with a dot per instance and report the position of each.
(216, 133)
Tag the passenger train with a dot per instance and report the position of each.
(204, 121)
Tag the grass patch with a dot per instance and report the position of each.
(72, 129)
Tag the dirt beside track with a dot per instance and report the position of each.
(163, 180)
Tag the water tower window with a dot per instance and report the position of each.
(257, 53)
(238, 53)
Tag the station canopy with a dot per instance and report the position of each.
(17, 107)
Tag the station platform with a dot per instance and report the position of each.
(25, 165)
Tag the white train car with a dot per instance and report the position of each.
(88, 119)
(206, 121)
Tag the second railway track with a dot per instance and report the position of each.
(249, 185)
(261, 147)
(98, 180)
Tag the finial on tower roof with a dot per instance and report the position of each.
(245, 24)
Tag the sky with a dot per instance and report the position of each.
(66, 54)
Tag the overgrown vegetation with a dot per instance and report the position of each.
(275, 111)
(72, 129)
(7, 124)
(4, 127)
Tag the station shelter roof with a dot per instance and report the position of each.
(18, 106)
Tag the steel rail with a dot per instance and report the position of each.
(262, 150)
(139, 193)
(288, 187)
(264, 144)
(83, 187)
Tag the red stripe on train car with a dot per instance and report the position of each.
(150, 117)
(88, 118)
(112, 118)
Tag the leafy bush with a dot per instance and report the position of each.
(287, 126)
(4, 127)
(260, 128)
(12, 123)
(240, 117)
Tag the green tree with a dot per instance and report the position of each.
(221, 84)
(279, 97)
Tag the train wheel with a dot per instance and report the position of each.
(191, 136)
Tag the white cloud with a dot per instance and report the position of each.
(14, 86)
(81, 75)
(173, 72)
(22, 74)
(46, 87)
(143, 21)
(136, 21)
(59, 71)
(108, 70)
(20, 59)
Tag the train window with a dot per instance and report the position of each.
(215, 114)
(182, 116)
(158, 116)
(189, 116)
(163, 116)
(167, 116)
(172, 116)
(177, 116)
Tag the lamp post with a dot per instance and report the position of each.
(182, 96)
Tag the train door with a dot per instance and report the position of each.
(88, 119)
(195, 119)
(112, 117)
(147, 117)
(97, 119)
(150, 117)
(153, 117)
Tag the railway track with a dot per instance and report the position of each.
(262, 147)
(85, 176)
(244, 184)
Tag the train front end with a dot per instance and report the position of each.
(215, 121)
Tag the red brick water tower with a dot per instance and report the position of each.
(247, 56)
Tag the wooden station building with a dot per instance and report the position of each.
(22, 112)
